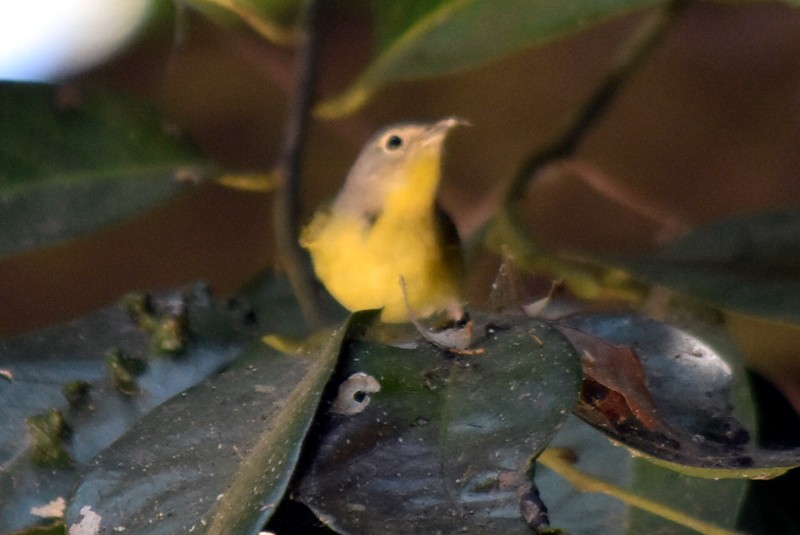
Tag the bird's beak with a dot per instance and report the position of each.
(449, 122)
(436, 131)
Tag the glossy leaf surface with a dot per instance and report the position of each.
(217, 458)
(446, 443)
(692, 423)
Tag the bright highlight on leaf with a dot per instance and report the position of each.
(666, 394)
(255, 182)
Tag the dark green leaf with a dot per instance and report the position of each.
(73, 162)
(217, 458)
(44, 362)
(421, 38)
(716, 501)
(748, 263)
(445, 444)
(588, 513)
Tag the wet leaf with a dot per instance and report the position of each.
(747, 263)
(42, 364)
(445, 444)
(217, 458)
(72, 162)
(423, 38)
(690, 424)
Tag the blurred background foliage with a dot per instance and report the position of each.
(706, 128)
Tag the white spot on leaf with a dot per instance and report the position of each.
(89, 525)
(353, 396)
(54, 509)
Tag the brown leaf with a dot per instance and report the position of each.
(619, 370)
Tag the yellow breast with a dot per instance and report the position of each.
(383, 229)
(362, 265)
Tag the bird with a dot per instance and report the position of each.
(384, 243)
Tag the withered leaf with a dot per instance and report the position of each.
(618, 369)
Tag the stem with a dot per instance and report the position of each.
(263, 26)
(632, 54)
(586, 278)
(560, 460)
(672, 225)
(286, 207)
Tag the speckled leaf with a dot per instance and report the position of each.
(445, 444)
(72, 162)
(38, 366)
(216, 459)
(423, 38)
(43, 363)
(748, 263)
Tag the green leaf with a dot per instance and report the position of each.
(748, 263)
(72, 162)
(66, 368)
(579, 513)
(51, 367)
(423, 38)
(445, 444)
(216, 459)
(711, 500)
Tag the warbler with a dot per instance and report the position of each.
(383, 242)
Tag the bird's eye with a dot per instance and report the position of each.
(393, 142)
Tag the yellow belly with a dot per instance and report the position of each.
(362, 266)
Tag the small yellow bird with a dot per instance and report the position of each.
(383, 242)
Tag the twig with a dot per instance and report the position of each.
(286, 207)
(631, 57)
(560, 460)
(672, 225)
(586, 278)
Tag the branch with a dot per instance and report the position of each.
(631, 57)
(586, 278)
(286, 207)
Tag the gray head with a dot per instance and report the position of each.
(384, 161)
